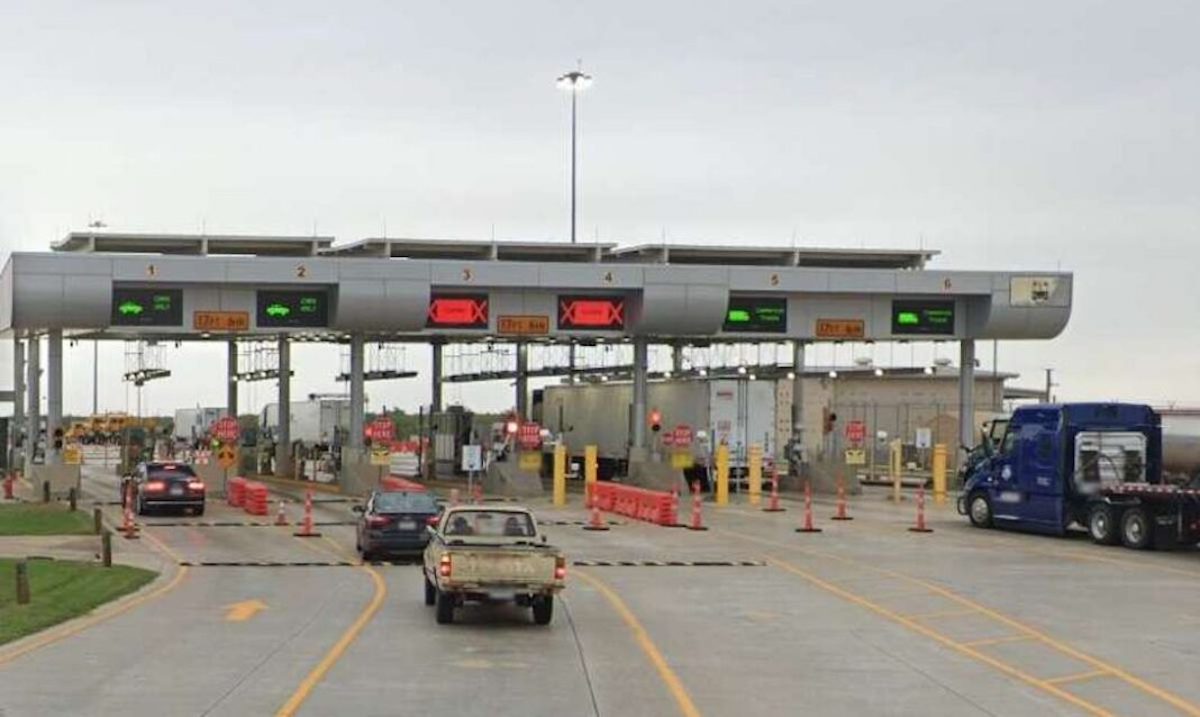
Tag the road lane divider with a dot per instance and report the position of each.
(674, 685)
(314, 677)
(972, 648)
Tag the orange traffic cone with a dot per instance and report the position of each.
(773, 504)
(127, 526)
(597, 521)
(306, 527)
(808, 515)
(920, 527)
(841, 502)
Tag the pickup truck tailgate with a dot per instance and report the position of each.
(501, 565)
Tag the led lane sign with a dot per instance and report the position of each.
(756, 315)
(911, 317)
(605, 313)
(147, 307)
(457, 311)
(299, 309)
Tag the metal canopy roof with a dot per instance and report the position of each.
(194, 244)
(505, 251)
(696, 254)
(774, 256)
(472, 250)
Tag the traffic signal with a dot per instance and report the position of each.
(655, 420)
(830, 418)
(58, 438)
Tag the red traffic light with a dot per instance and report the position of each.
(655, 420)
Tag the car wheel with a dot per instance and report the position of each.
(445, 607)
(543, 609)
(430, 592)
(1102, 524)
(1137, 530)
(979, 508)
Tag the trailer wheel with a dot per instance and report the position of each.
(1102, 524)
(1137, 529)
(979, 508)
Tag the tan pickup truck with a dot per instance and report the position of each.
(491, 554)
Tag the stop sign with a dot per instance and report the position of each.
(529, 435)
(226, 429)
(683, 435)
(381, 429)
(856, 431)
(668, 438)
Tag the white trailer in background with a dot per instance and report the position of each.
(736, 412)
(193, 424)
(312, 422)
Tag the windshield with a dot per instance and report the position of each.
(491, 523)
(404, 503)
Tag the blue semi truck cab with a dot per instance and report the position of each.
(1095, 465)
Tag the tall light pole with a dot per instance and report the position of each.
(574, 82)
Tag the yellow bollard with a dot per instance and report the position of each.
(589, 465)
(754, 474)
(939, 473)
(560, 475)
(722, 474)
(895, 454)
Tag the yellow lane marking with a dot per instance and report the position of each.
(940, 638)
(1176, 701)
(940, 614)
(244, 610)
(1076, 678)
(996, 640)
(668, 676)
(339, 648)
(75, 627)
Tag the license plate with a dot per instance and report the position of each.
(176, 490)
(406, 525)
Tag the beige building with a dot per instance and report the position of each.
(894, 402)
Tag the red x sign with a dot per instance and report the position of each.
(591, 313)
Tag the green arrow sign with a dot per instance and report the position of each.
(738, 316)
(908, 318)
(130, 308)
(278, 310)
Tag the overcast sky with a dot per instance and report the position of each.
(1015, 135)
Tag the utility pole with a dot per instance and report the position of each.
(1049, 383)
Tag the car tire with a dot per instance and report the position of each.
(1102, 524)
(1137, 529)
(430, 592)
(445, 608)
(543, 609)
(979, 510)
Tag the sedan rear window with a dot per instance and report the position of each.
(176, 471)
(405, 503)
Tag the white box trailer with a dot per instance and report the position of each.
(192, 424)
(736, 412)
(313, 422)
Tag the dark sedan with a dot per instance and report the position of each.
(168, 485)
(394, 522)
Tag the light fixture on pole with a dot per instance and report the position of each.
(574, 82)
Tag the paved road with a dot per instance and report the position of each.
(864, 618)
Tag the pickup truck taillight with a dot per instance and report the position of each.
(444, 566)
(560, 568)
